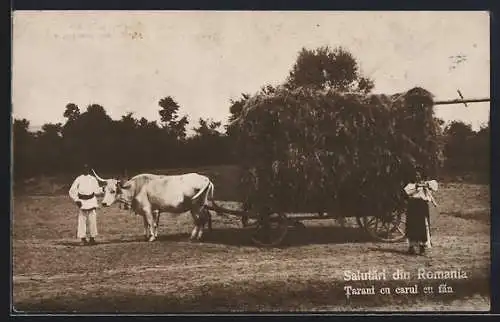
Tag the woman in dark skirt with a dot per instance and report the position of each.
(418, 214)
(417, 225)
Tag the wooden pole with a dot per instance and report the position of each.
(460, 101)
(461, 96)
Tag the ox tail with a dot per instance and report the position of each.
(207, 192)
(210, 193)
(210, 197)
(204, 190)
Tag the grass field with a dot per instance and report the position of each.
(123, 273)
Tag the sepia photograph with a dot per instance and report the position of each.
(180, 162)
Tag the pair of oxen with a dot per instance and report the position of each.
(149, 195)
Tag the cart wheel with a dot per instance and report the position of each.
(390, 229)
(270, 231)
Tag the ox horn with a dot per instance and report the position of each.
(98, 178)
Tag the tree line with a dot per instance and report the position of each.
(132, 144)
(466, 152)
(128, 144)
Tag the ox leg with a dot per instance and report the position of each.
(206, 219)
(156, 218)
(194, 232)
(150, 222)
(209, 219)
(199, 236)
(197, 230)
(146, 228)
(201, 217)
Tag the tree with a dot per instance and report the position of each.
(126, 130)
(97, 111)
(49, 148)
(458, 147)
(129, 122)
(89, 137)
(21, 130)
(70, 136)
(458, 132)
(52, 130)
(174, 126)
(268, 89)
(237, 106)
(23, 144)
(72, 112)
(325, 68)
(481, 151)
(178, 128)
(207, 128)
(169, 109)
(151, 149)
(208, 144)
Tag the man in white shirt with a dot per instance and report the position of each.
(83, 192)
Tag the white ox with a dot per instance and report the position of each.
(149, 195)
(112, 186)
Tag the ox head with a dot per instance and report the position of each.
(125, 193)
(111, 189)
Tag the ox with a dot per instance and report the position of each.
(113, 186)
(149, 195)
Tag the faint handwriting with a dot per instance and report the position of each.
(457, 60)
(133, 31)
(81, 35)
(78, 32)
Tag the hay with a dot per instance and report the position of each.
(308, 150)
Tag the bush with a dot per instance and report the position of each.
(309, 150)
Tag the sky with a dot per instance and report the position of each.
(128, 61)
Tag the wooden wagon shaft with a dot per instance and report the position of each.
(462, 101)
(221, 210)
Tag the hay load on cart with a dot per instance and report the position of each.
(310, 151)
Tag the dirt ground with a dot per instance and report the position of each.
(123, 273)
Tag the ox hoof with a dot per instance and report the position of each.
(151, 239)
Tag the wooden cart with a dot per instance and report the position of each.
(270, 230)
